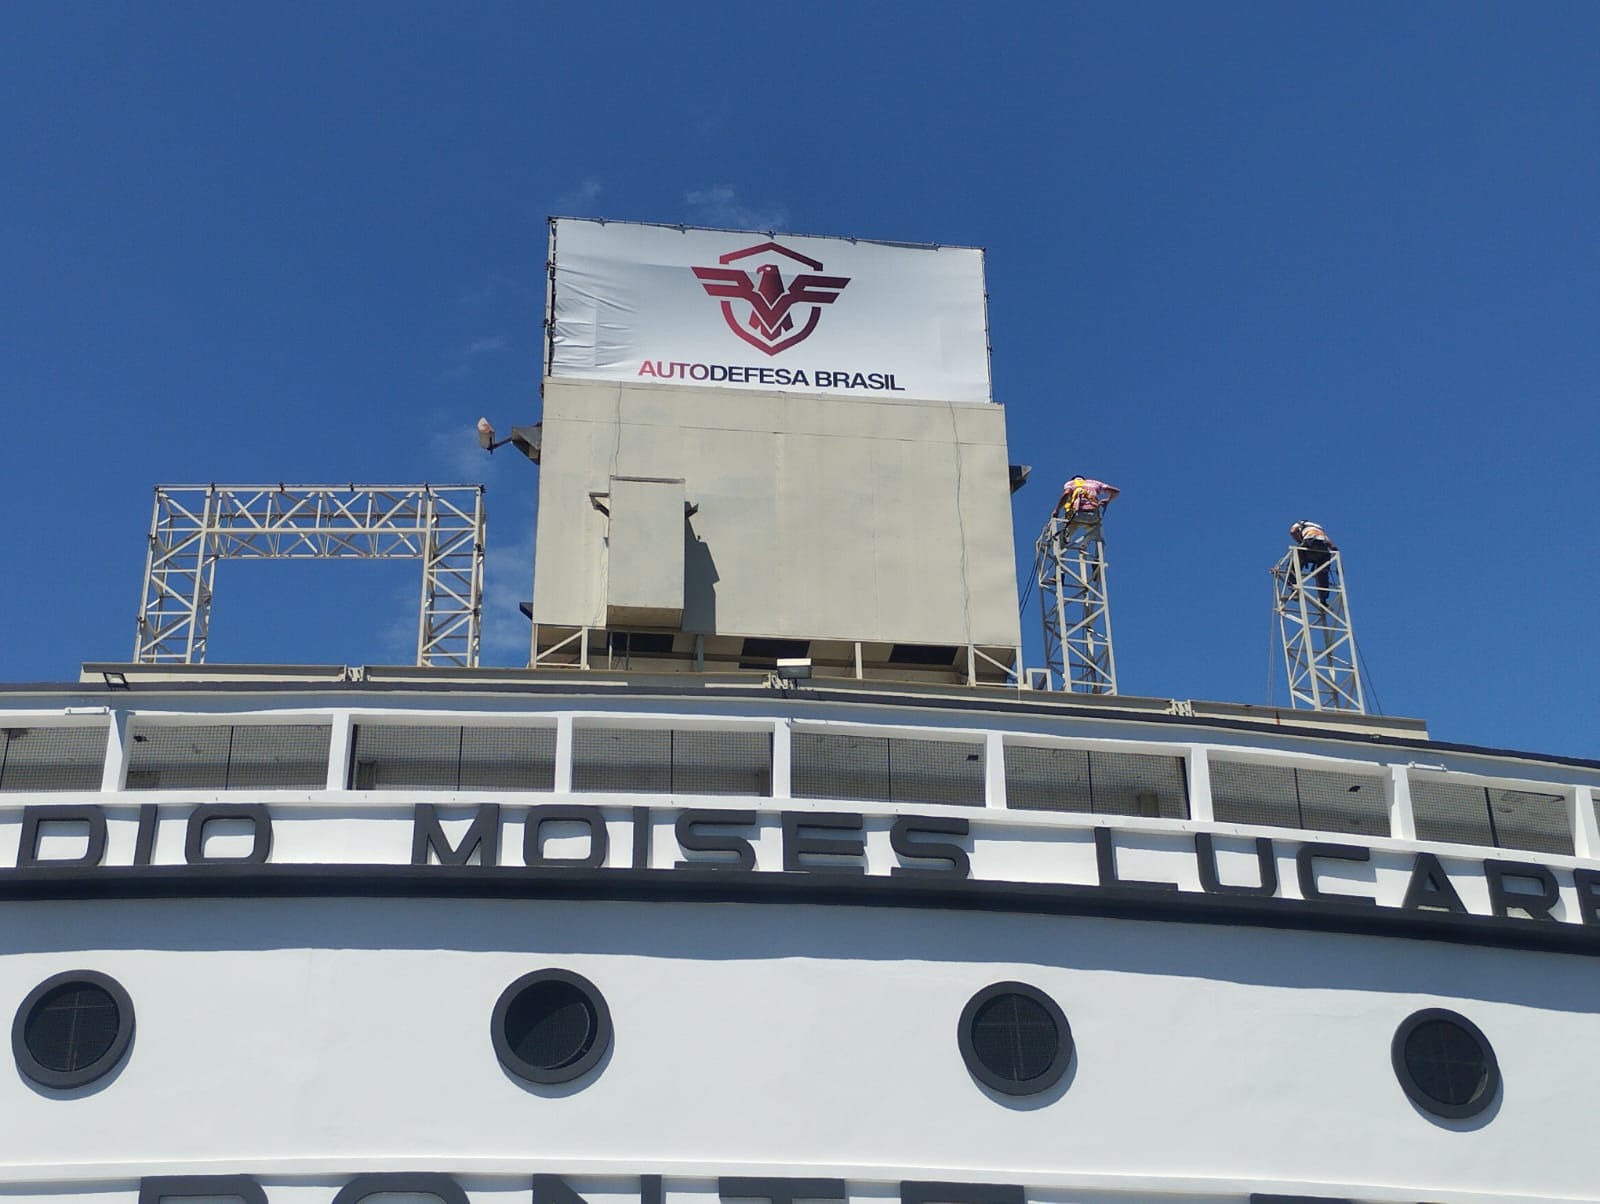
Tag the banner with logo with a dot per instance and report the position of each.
(731, 309)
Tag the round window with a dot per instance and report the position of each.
(1445, 1064)
(1014, 1039)
(551, 1026)
(72, 1029)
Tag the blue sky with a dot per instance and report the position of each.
(1248, 262)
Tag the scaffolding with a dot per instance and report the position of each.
(1070, 570)
(194, 526)
(1319, 645)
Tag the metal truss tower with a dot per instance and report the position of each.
(194, 526)
(1319, 645)
(1070, 568)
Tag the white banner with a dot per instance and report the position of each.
(729, 309)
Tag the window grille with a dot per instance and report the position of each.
(51, 758)
(627, 760)
(1465, 813)
(228, 756)
(1093, 782)
(1283, 796)
(887, 769)
(447, 757)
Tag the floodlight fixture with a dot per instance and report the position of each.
(795, 668)
(526, 439)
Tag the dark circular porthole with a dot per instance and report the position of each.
(72, 1029)
(1014, 1039)
(551, 1026)
(1445, 1064)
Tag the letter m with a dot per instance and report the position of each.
(428, 835)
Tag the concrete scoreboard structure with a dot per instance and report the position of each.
(760, 445)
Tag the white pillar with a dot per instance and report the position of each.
(563, 784)
(1585, 836)
(782, 758)
(113, 771)
(1199, 769)
(1402, 821)
(339, 739)
(994, 770)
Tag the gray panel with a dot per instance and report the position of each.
(886, 769)
(1048, 779)
(936, 771)
(1457, 812)
(279, 756)
(839, 767)
(621, 760)
(179, 758)
(508, 758)
(228, 756)
(1284, 797)
(52, 758)
(718, 762)
(854, 519)
(1343, 802)
(1103, 783)
(439, 757)
(671, 761)
(1535, 822)
(1136, 784)
(405, 757)
(645, 553)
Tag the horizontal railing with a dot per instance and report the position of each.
(860, 762)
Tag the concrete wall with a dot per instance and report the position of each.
(817, 518)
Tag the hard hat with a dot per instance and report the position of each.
(1294, 528)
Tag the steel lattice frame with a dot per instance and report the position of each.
(1070, 567)
(194, 526)
(1319, 645)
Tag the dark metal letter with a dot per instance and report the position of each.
(1503, 899)
(589, 817)
(795, 845)
(154, 1188)
(259, 818)
(1205, 856)
(1431, 887)
(1105, 859)
(1305, 864)
(419, 1183)
(957, 863)
(427, 833)
(692, 840)
(32, 817)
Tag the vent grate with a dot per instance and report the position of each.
(51, 758)
(438, 757)
(229, 756)
(887, 769)
(1463, 813)
(1092, 782)
(72, 1027)
(623, 760)
(1282, 796)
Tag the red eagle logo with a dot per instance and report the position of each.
(769, 325)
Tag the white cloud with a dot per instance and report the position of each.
(492, 286)
(579, 198)
(720, 205)
(455, 456)
(492, 343)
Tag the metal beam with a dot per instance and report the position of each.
(194, 526)
(1070, 568)
(1319, 645)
